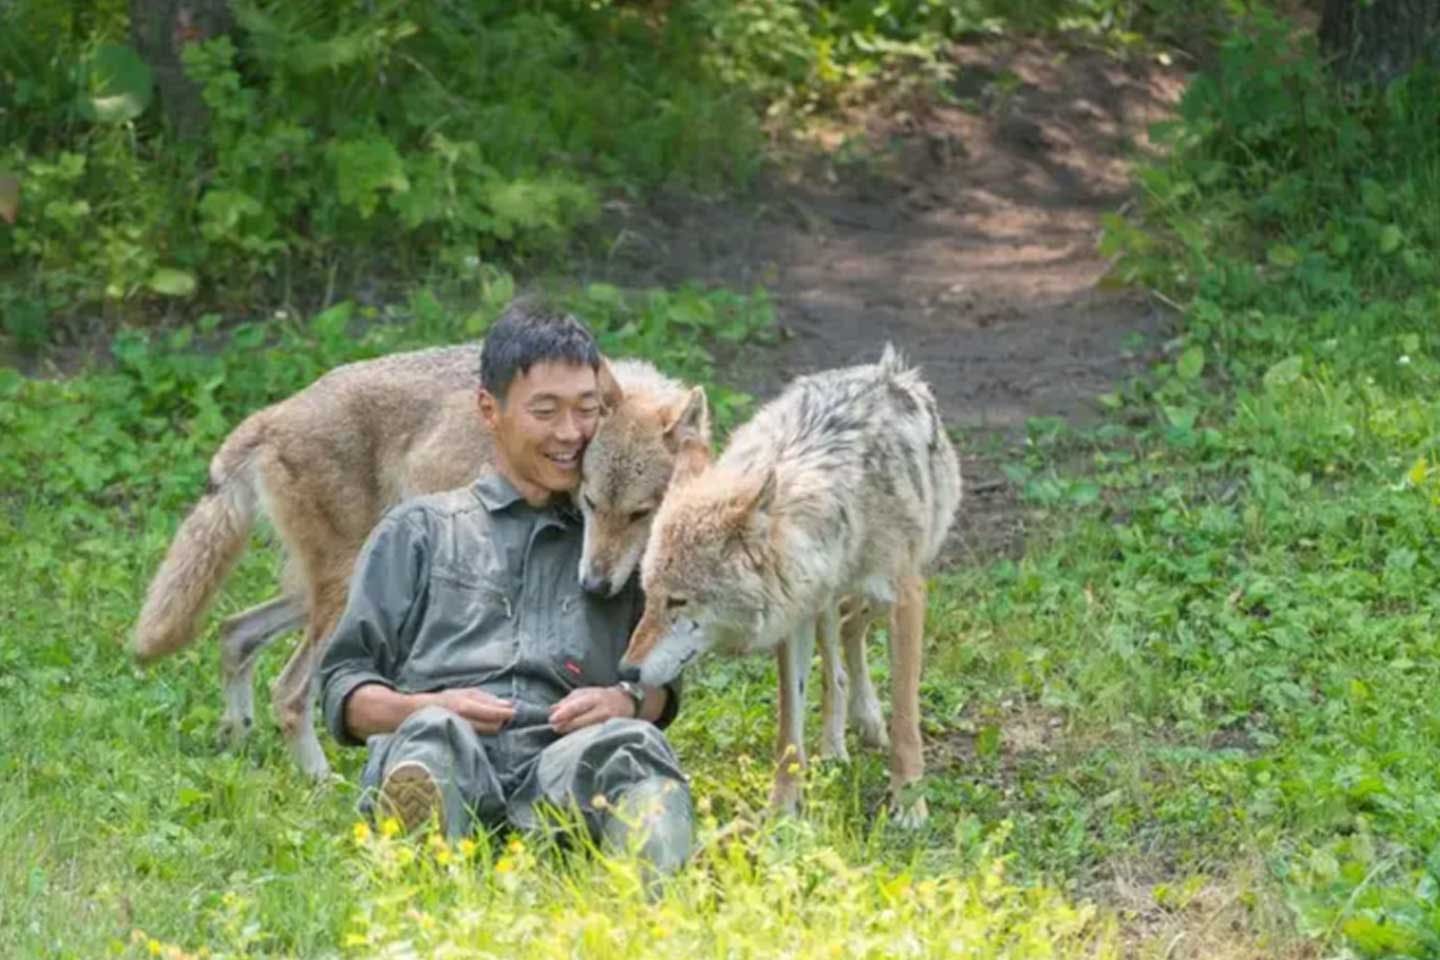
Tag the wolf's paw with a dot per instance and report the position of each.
(870, 726)
(311, 759)
(233, 729)
(908, 810)
(833, 749)
(785, 798)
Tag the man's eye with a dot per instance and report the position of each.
(542, 413)
(590, 410)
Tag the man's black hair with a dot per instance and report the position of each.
(530, 332)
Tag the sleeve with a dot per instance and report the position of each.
(382, 613)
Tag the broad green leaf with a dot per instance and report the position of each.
(170, 282)
(1191, 363)
(1284, 373)
(1390, 239)
(1374, 197)
(1283, 255)
(1181, 417)
(115, 85)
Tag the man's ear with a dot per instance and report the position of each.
(610, 393)
(690, 423)
(489, 409)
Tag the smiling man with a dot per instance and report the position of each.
(484, 682)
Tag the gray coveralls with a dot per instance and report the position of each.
(476, 588)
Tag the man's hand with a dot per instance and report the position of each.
(590, 705)
(486, 712)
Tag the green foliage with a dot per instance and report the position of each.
(417, 133)
(1283, 566)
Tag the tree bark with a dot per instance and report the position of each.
(160, 29)
(1378, 41)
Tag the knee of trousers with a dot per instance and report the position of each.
(639, 730)
(653, 819)
(431, 717)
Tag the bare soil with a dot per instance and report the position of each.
(964, 233)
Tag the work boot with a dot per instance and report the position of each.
(411, 795)
(652, 820)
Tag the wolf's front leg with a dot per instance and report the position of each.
(793, 658)
(864, 709)
(833, 687)
(907, 758)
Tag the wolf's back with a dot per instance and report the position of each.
(865, 442)
(352, 423)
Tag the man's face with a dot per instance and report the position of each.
(548, 416)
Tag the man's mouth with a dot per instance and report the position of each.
(565, 461)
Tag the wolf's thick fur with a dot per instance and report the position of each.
(325, 464)
(841, 489)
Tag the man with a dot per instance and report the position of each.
(483, 680)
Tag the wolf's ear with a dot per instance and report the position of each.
(691, 423)
(610, 392)
(690, 460)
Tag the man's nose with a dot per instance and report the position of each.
(570, 428)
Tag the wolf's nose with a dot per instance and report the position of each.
(596, 585)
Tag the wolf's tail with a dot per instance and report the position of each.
(205, 547)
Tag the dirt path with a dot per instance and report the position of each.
(969, 241)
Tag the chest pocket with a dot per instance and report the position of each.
(468, 632)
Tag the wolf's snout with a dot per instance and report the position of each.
(598, 586)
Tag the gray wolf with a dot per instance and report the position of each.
(841, 489)
(325, 463)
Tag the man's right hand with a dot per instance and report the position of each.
(375, 708)
(486, 712)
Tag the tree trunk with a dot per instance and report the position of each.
(159, 29)
(1378, 41)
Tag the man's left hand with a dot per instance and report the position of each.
(590, 705)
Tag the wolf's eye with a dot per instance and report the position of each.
(590, 503)
(675, 603)
(639, 515)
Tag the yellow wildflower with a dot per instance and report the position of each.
(390, 827)
(504, 865)
(361, 831)
(467, 848)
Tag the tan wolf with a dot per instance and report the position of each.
(842, 487)
(325, 463)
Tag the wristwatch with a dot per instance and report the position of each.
(635, 692)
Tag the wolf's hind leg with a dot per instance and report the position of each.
(793, 658)
(242, 637)
(865, 714)
(291, 696)
(293, 692)
(833, 686)
(907, 758)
